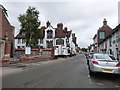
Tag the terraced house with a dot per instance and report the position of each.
(111, 44)
(107, 40)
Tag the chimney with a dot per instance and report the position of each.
(104, 22)
(47, 23)
(60, 26)
(73, 35)
(65, 28)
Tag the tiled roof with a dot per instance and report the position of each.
(116, 29)
(95, 36)
(74, 40)
(59, 33)
(69, 33)
(62, 33)
(19, 36)
(107, 31)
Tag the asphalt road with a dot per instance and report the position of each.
(70, 73)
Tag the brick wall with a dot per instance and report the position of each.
(6, 30)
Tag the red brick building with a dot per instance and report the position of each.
(6, 36)
(104, 32)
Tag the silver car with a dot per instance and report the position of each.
(103, 63)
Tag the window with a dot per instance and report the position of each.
(23, 40)
(102, 57)
(117, 34)
(19, 40)
(23, 46)
(49, 34)
(110, 42)
(102, 35)
(59, 42)
(110, 51)
(41, 41)
(113, 58)
(18, 47)
(49, 44)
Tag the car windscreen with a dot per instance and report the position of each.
(103, 57)
(113, 58)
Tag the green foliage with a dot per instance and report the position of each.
(84, 49)
(29, 23)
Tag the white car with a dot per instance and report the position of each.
(103, 63)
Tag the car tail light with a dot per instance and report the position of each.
(95, 62)
(118, 65)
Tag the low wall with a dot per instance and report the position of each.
(37, 56)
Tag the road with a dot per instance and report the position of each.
(70, 73)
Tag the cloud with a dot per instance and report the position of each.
(83, 17)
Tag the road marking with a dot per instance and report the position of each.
(117, 86)
(88, 75)
(100, 83)
(91, 81)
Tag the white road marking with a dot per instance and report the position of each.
(100, 83)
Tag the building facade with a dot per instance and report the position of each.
(59, 38)
(108, 40)
(6, 36)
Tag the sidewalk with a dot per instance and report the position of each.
(18, 67)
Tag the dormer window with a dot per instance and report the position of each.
(102, 35)
(49, 34)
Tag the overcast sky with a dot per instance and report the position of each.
(83, 17)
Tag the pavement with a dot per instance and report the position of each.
(18, 67)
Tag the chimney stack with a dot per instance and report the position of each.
(47, 23)
(104, 22)
(60, 26)
(65, 28)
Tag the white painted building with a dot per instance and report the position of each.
(62, 40)
(20, 42)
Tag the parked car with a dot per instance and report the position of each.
(103, 63)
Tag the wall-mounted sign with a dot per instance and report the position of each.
(27, 50)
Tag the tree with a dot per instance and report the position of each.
(84, 49)
(29, 26)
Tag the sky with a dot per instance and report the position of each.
(83, 17)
